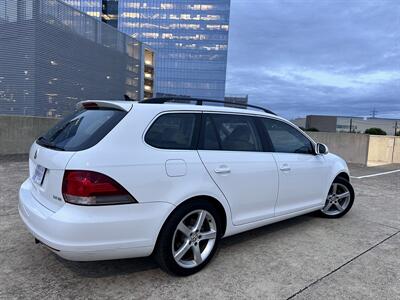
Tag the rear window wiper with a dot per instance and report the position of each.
(45, 143)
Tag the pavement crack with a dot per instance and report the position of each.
(341, 266)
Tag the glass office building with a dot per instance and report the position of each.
(91, 7)
(190, 38)
(52, 56)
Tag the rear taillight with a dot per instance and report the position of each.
(92, 188)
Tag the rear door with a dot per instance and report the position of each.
(50, 153)
(231, 150)
(302, 174)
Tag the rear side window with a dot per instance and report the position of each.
(82, 129)
(174, 131)
(230, 133)
(286, 138)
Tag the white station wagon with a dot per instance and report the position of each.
(119, 179)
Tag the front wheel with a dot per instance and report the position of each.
(189, 238)
(340, 199)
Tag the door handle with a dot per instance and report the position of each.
(285, 168)
(222, 170)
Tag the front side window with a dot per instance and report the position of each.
(230, 133)
(173, 131)
(286, 138)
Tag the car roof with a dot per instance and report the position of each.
(170, 106)
(156, 108)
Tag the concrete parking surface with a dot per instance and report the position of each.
(355, 257)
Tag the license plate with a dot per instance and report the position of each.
(38, 176)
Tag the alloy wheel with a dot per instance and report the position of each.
(338, 199)
(194, 238)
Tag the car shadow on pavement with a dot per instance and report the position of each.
(98, 269)
(105, 268)
(264, 231)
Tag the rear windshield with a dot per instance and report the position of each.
(82, 129)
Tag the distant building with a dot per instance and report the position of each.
(243, 100)
(322, 123)
(351, 124)
(190, 38)
(52, 56)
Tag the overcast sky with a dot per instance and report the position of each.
(299, 57)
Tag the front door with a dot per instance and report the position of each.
(302, 174)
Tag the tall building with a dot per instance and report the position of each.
(91, 7)
(190, 38)
(52, 56)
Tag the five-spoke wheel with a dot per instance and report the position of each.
(194, 238)
(339, 200)
(189, 238)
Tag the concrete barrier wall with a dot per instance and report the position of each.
(17, 133)
(396, 150)
(370, 150)
(351, 147)
(380, 150)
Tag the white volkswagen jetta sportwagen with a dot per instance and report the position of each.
(119, 179)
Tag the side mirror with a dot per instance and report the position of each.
(321, 149)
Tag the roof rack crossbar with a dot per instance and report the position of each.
(199, 101)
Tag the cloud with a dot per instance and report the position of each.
(313, 77)
(316, 56)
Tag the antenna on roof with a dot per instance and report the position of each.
(127, 98)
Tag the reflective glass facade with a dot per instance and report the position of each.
(52, 56)
(110, 12)
(190, 39)
(91, 7)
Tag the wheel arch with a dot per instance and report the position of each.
(338, 173)
(213, 201)
(343, 175)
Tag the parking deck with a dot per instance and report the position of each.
(307, 257)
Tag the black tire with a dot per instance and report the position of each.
(347, 184)
(163, 250)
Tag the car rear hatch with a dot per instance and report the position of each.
(47, 181)
(50, 153)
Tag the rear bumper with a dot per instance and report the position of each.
(94, 233)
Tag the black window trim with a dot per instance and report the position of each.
(201, 142)
(196, 129)
(199, 128)
(202, 131)
(262, 132)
